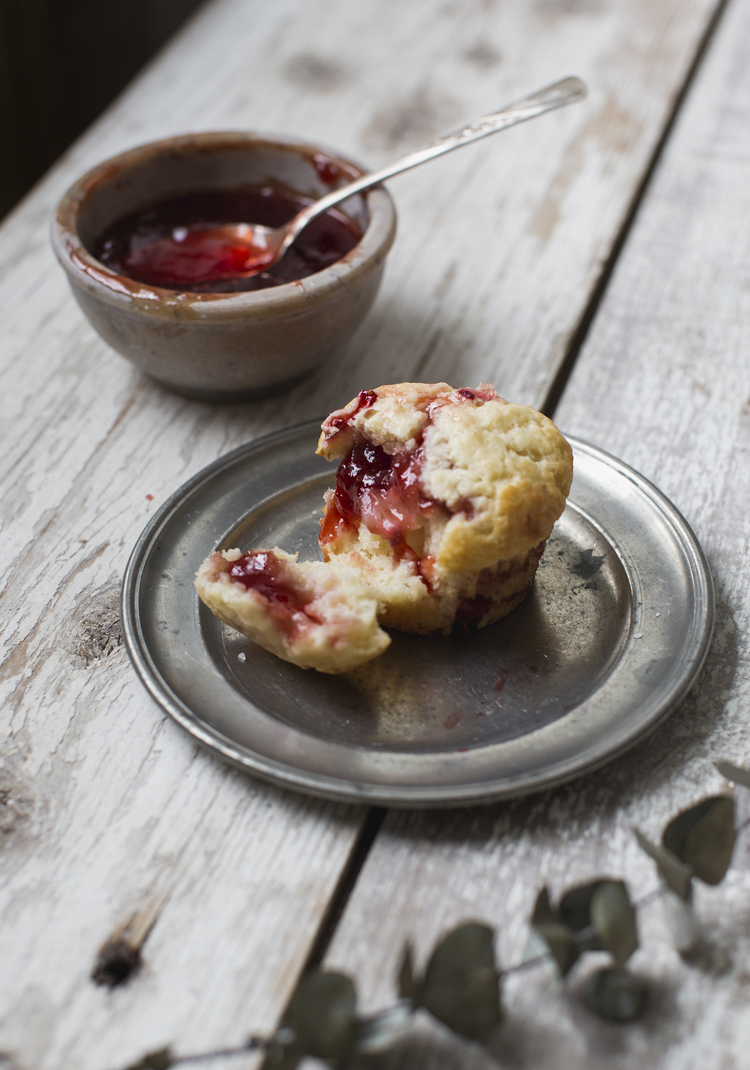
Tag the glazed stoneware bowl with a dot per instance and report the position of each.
(221, 346)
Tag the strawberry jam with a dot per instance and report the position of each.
(334, 424)
(382, 491)
(178, 243)
(262, 571)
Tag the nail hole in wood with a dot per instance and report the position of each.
(117, 962)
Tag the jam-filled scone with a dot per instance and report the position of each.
(314, 614)
(444, 500)
(443, 503)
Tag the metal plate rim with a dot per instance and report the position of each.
(404, 796)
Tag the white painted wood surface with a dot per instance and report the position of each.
(107, 812)
(664, 383)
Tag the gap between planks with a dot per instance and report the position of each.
(581, 332)
(376, 815)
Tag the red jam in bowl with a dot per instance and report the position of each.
(170, 245)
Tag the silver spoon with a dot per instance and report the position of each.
(270, 243)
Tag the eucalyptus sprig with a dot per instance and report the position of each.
(460, 985)
(598, 916)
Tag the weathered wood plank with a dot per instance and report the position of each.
(110, 811)
(664, 383)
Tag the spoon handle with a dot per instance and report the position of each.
(567, 91)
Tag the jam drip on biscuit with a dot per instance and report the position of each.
(383, 490)
(262, 571)
(334, 424)
(470, 610)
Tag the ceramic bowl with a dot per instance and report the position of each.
(221, 347)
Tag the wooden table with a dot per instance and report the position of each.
(594, 263)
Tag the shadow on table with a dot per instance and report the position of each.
(692, 734)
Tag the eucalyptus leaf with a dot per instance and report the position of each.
(710, 844)
(613, 918)
(681, 921)
(322, 1015)
(735, 773)
(536, 948)
(461, 985)
(616, 995)
(544, 914)
(703, 837)
(381, 1031)
(155, 1060)
(675, 874)
(286, 1056)
(408, 986)
(575, 912)
(558, 937)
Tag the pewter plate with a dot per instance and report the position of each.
(611, 638)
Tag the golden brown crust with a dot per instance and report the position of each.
(408, 604)
(513, 468)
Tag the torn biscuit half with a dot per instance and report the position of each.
(313, 614)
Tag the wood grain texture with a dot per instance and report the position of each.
(109, 815)
(664, 383)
